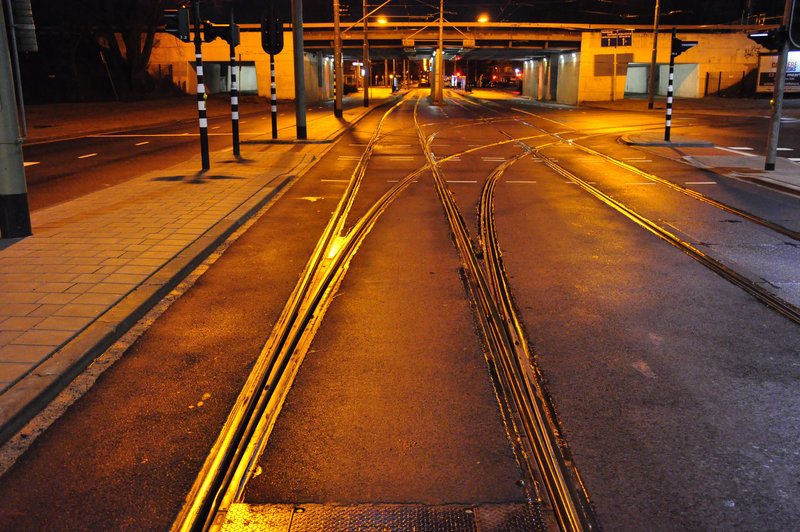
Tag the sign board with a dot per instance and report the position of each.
(768, 65)
(616, 38)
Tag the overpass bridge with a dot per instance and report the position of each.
(564, 62)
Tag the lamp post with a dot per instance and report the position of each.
(438, 68)
(338, 78)
(651, 90)
(366, 68)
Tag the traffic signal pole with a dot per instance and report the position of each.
(669, 88)
(234, 91)
(15, 218)
(777, 92)
(201, 90)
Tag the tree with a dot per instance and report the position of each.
(134, 22)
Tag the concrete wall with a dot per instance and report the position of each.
(172, 55)
(568, 78)
(733, 55)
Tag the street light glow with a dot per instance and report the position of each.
(483, 18)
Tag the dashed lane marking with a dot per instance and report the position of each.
(335, 180)
(521, 182)
(142, 143)
(700, 183)
(86, 156)
(461, 181)
(31, 163)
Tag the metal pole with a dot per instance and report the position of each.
(438, 94)
(273, 97)
(234, 94)
(669, 89)
(201, 90)
(651, 90)
(14, 53)
(15, 218)
(366, 58)
(299, 69)
(338, 78)
(777, 93)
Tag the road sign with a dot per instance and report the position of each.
(614, 38)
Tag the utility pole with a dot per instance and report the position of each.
(439, 81)
(299, 69)
(652, 90)
(15, 218)
(338, 78)
(366, 71)
(777, 92)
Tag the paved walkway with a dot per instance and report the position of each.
(97, 264)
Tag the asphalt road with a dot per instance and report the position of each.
(675, 390)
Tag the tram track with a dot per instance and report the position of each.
(563, 494)
(233, 456)
(740, 280)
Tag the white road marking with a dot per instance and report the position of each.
(31, 163)
(520, 181)
(785, 149)
(744, 148)
(142, 143)
(401, 158)
(494, 159)
(701, 183)
(648, 183)
(87, 156)
(457, 181)
(737, 152)
(335, 180)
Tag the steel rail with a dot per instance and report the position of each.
(503, 343)
(768, 298)
(773, 301)
(235, 445)
(795, 235)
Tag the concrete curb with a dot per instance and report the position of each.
(657, 139)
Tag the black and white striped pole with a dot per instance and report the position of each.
(273, 97)
(234, 40)
(669, 95)
(201, 90)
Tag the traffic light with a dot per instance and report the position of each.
(176, 22)
(679, 46)
(794, 24)
(227, 32)
(271, 33)
(772, 39)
